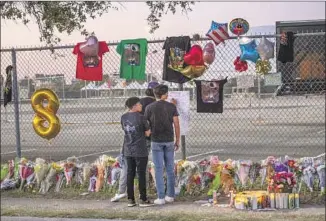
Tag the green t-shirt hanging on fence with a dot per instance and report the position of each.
(133, 58)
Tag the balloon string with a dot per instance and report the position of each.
(50, 142)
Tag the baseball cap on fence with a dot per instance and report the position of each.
(152, 84)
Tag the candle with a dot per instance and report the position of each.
(291, 201)
(254, 202)
(272, 200)
(277, 200)
(297, 200)
(215, 197)
(285, 200)
(281, 201)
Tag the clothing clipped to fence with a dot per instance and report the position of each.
(175, 49)
(7, 93)
(89, 68)
(286, 51)
(210, 96)
(133, 58)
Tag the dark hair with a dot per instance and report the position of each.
(149, 92)
(160, 90)
(132, 101)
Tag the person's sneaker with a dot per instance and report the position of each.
(131, 203)
(146, 203)
(169, 199)
(159, 201)
(118, 197)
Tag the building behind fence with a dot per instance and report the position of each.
(276, 114)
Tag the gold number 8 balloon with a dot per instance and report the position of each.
(46, 113)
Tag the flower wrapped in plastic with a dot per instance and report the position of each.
(206, 179)
(203, 165)
(41, 169)
(254, 172)
(79, 176)
(295, 168)
(319, 164)
(26, 172)
(86, 172)
(308, 177)
(282, 182)
(215, 165)
(227, 177)
(151, 178)
(92, 179)
(115, 173)
(321, 175)
(50, 178)
(4, 171)
(243, 167)
(267, 169)
(69, 167)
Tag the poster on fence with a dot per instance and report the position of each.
(183, 107)
(245, 81)
(273, 79)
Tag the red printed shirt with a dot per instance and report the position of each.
(90, 67)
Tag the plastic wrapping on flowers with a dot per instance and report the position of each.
(192, 177)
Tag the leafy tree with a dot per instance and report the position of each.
(66, 17)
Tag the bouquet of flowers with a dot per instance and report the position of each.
(215, 165)
(86, 172)
(26, 172)
(10, 175)
(151, 180)
(41, 168)
(243, 167)
(92, 179)
(319, 163)
(308, 172)
(115, 173)
(4, 171)
(227, 177)
(282, 182)
(69, 168)
(267, 169)
(55, 168)
(254, 172)
(295, 168)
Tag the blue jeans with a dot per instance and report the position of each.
(163, 154)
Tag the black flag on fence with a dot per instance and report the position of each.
(7, 94)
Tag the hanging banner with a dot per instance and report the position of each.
(245, 81)
(183, 107)
(273, 79)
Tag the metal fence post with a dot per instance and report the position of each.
(183, 137)
(16, 102)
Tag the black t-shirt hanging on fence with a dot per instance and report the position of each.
(286, 51)
(210, 96)
(175, 49)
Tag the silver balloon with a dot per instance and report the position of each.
(265, 49)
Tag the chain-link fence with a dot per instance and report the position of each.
(281, 113)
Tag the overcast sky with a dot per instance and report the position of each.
(131, 21)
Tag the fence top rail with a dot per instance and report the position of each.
(42, 48)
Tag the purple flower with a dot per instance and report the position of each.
(280, 167)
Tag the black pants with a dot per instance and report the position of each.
(139, 164)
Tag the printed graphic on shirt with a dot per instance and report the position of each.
(90, 61)
(132, 54)
(128, 128)
(210, 92)
(176, 59)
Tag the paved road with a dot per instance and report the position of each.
(6, 218)
(293, 126)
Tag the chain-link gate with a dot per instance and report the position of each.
(282, 113)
